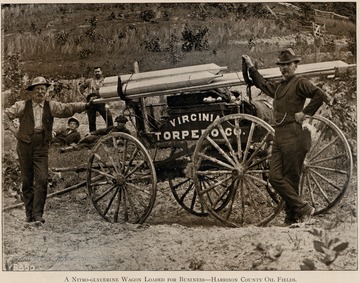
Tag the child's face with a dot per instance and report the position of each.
(72, 125)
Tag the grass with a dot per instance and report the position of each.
(67, 41)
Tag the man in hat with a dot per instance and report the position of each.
(291, 141)
(68, 136)
(90, 90)
(36, 116)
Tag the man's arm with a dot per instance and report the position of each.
(64, 110)
(317, 96)
(267, 87)
(83, 87)
(11, 113)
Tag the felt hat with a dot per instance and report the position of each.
(287, 56)
(73, 119)
(38, 81)
(121, 119)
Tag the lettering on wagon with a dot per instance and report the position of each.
(191, 127)
(195, 117)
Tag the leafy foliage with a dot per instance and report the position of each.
(147, 15)
(153, 45)
(328, 249)
(342, 109)
(194, 39)
(61, 38)
(13, 79)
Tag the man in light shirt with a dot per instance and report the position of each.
(90, 90)
(34, 134)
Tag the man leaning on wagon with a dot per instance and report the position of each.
(36, 117)
(90, 90)
(291, 141)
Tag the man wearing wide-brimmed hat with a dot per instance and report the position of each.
(291, 141)
(67, 136)
(36, 117)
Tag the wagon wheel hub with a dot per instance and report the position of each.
(119, 179)
(239, 172)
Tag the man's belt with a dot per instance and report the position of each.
(38, 131)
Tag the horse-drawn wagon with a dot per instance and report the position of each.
(211, 144)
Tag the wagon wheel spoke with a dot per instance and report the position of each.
(221, 151)
(131, 160)
(135, 188)
(327, 180)
(333, 170)
(185, 194)
(311, 176)
(237, 131)
(232, 194)
(112, 197)
(319, 139)
(257, 150)
(251, 199)
(311, 191)
(260, 193)
(249, 141)
(331, 158)
(228, 144)
(214, 186)
(133, 200)
(328, 165)
(216, 161)
(219, 197)
(122, 162)
(237, 160)
(324, 148)
(105, 193)
(117, 207)
(210, 172)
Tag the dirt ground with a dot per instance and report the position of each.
(76, 238)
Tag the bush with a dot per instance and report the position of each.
(194, 39)
(147, 15)
(13, 79)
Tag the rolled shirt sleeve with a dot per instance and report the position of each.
(13, 112)
(58, 109)
(64, 110)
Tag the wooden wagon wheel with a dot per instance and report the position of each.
(186, 195)
(328, 165)
(183, 189)
(232, 156)
(121, 179)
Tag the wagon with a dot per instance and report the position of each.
(211, 144)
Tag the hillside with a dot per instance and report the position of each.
(67, 40)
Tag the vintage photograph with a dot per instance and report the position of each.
(182, 137)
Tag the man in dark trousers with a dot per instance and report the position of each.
(36, 116)
(90, 90)
(291, 141)
(68, 136)
(90, 140)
